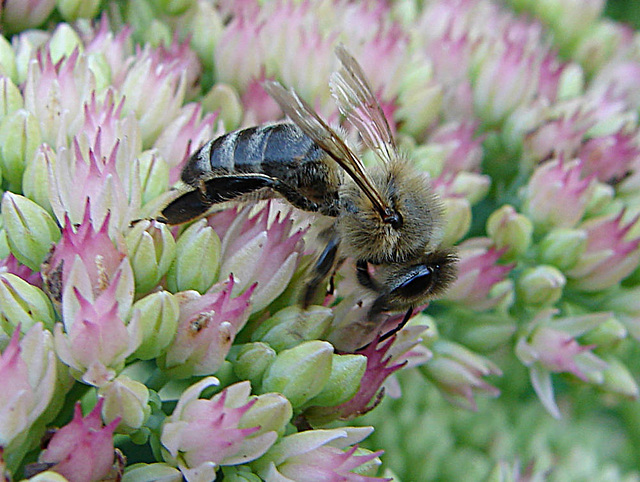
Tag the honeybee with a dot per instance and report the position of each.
(387, 219)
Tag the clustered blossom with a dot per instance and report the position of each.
(188, 345)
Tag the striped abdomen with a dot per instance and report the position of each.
(281, 151)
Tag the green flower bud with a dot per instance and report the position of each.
(48, 476)
(562, 247)
(152, 473)
(419, 98)
(157, 33)
(128, 399)
(429, 158)
(571, 83)
(540, 286)
(474, 187)
(173, 7)
(64, 41)
(24, 304)
(35, 180)
(457, 215)
(30, 230)
(197, 260)
(239, 473)
(158, 322)
(271, 412)
(8, 67)
(252, 360)
(598, 44)
(19, 139)
(206, 26)
(225, 100)
(568, 20)
(488, 336)
(154, 175)
(300, 373)
(151, 249)
(344, 381)
(600, 200)
(618, 379)
(10, 97)
(139, 15)
(4, 246)
(72, 10)
(606, 335)
(101, 70)
(510, 230)
(292, 325)
(22, 14)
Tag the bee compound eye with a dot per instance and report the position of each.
(421, 282)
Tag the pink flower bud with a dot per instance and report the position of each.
(202, 434)
(257, 250)
(83, 449)
(478, 274)
(206, 329)
(557, 194)
(28, 378)
(610, 255)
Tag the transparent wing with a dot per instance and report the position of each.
(356, 101)
(303, 115)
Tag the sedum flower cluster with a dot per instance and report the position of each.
(132, 350)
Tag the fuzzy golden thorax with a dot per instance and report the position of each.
(365, 236)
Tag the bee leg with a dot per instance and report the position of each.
(364, 277)
(227, 188)
(322, 268)
(393, 331)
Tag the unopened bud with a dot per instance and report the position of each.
(72, 10)
(344, 381)
(300, 373)
(158, 322)
(64, 41)
(606, 335)
(252, 360)
(510, 230)
(151, 249)
(270, 412)
(292, 325)
(126, 399)
(35, 180)
(457, 214)
(618, 379)
(22, 304)
(10, 97)
(19, 139)
(154, 175)
(30, 230)
(197, 259)
(224, 99)
(152, 473)
(541, 285)
(562, 247)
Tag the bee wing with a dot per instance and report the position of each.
(356, 101)
(303, 115)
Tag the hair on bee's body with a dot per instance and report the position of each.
(386, 217)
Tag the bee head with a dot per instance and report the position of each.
(411, 284)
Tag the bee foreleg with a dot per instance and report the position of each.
(400, 326)
(364, 277)
(322, 267)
